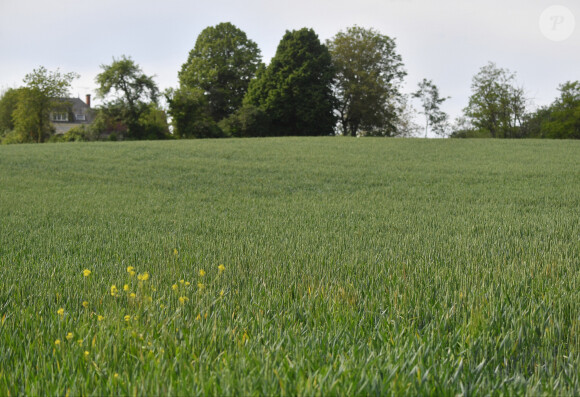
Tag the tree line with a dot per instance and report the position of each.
(498, 108)
(349, 85)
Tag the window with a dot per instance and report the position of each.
(59, 116)
(80, 117)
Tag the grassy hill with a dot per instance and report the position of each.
(350, 266)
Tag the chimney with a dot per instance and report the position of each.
(88, 101)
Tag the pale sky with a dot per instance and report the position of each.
(447, 41)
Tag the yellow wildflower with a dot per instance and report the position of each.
(86, 353)
(57, 342)
(131, 270)
(143, 277)
(80, 342)
(86, 272)
(69, 336)
(85, 304)
(60, 312)
(132, 295)
(187, 283)
(198, 317)
(116, 375)
(126, 287)
(127, 317)
(114, 290)
(175, 252)
(174, 287)
(181, 281)
(100, 318)
(222, 292)
(200, 286)
(183, 299)
(221, 268)
(202, 272)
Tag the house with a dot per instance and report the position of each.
(72, 112)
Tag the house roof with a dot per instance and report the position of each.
(77, 102)
(82, 113)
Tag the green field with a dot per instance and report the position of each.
(350, 267)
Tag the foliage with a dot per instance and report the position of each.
(428, 94)
(463, 128)
(375, 267)
(131, 94)
(405, 126)
(12, 137)
(560, 120)
(190, 114)
(564, 119)
(222, 64)
(369, 73)
(153, 123)
(469, 133)
(248, 121)
(37, 100)
(295, 88)
(496, 106)
(532, 125)
(109, 122)
(8, 104)
(32, 116)
(80, 133)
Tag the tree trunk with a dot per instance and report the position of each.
(40, 126)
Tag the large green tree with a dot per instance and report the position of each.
(497, 105)
(8, 104)
(190, 115)
(222, 64)
(42, 94)
(369, 74)
(564, 115)
(559, 120)
(128, 93)
(295, 89)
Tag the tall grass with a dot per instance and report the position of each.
(350, 267)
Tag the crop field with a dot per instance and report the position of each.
(291, 266)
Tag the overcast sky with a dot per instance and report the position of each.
(447, 41)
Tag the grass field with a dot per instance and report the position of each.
(348, 267)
